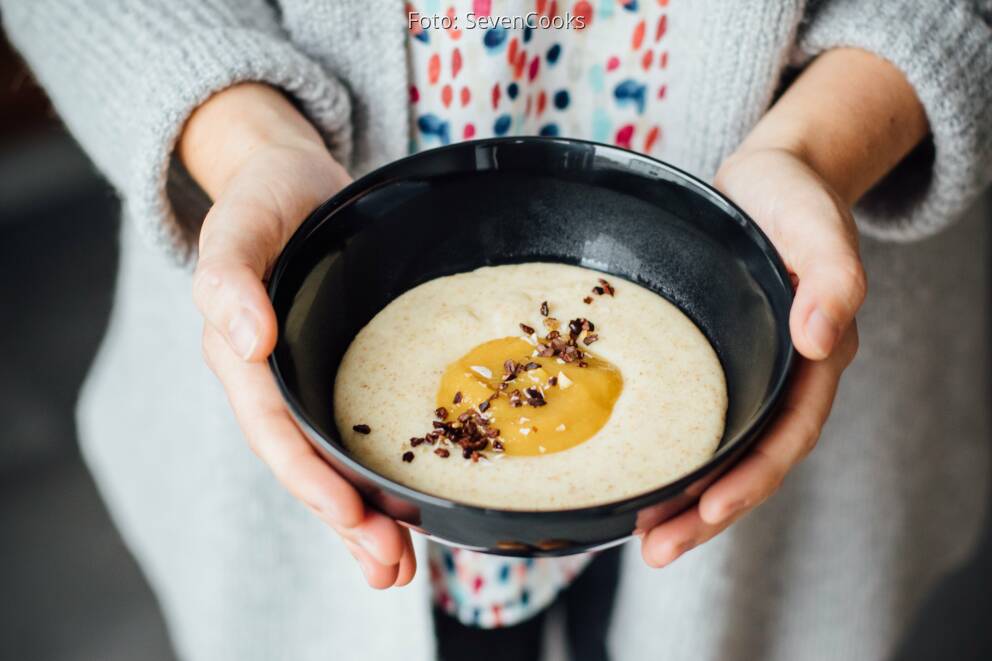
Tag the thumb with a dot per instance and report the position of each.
(235, 252)
(832, 287)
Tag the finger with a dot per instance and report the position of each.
(832, 287)
(236, 248)
(408, 564)
(380, 536)
(792, 437)
(276, 439)
(667, 542)
(377, 575)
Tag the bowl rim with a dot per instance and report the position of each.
(383, 175)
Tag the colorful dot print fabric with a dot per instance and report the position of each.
(603, 78)
(490, 591)
(603, 81)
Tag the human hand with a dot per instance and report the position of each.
(267, 168)
(841, 126)
(815, 234)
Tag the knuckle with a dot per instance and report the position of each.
(852, 345)
(809, 436)
(771, 477)
(206, 348)
(855, 279)
(207, 277)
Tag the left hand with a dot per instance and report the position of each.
(814, 232)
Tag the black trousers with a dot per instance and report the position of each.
(587, 604)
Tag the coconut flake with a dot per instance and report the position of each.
(482, 371)
(563, 381)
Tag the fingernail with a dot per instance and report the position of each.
(674, 552)
(732, 509)
(362, 561)
(822, 332)
(368, 543)
(243, 333)
(364, 564)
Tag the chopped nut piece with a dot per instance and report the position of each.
(415, 441)
(362, 429)
(544, 309)
(408, 456)
(484, 406)
(587, 300)
(515, 399)
(442, 452)
(590, 338)
(532, 366)
(527, 329)
(441, 413)
(535, 397)
(458, 397)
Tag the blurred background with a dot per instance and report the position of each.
(69, 590)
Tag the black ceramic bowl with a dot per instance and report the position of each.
(512, 200)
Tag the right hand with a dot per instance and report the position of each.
(276, 176)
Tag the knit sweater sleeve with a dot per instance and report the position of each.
(125, 74)
(944, 48)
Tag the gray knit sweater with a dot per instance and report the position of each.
(832, 567)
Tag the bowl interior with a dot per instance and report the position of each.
(505, 201)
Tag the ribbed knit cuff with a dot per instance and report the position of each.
(180, 78)
(944, 48)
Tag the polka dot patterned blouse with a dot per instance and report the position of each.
(600, 75)
(593, 69)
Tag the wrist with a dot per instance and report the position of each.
(788, 137)
(237, 124)
(850, 116)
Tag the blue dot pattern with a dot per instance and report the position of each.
(502, 125)
(494, 38)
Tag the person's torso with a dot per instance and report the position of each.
(684, 81)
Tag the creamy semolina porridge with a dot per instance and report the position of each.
(532, 387)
